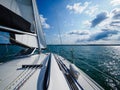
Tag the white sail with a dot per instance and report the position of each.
(27, 40)
(39, 26)
(26, 20)
(21, 7)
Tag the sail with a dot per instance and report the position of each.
(20, 17)
(40, 33)
(10, 19)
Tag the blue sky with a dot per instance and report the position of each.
(81, 21)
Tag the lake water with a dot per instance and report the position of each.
(102, 63)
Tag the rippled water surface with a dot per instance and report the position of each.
(102, 63)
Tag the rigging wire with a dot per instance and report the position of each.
(59, 30)
(104, 74)
(59, 33)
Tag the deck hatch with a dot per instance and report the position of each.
(32, 66)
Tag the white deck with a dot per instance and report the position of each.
(11, 73)
(57, 79)
(13, 76)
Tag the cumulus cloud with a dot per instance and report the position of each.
(116, 13)
(103, 34)
(99, 18)
(78, 7)
(115, 2)
(91, 10)
(86, 23)
(115, 24)
(105, 19)
(44, 23)
(76, 32)
(109, 29)
(115, 19)
(85, 8)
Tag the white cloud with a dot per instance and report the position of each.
(95, 36)
(79, 32)
(100, 36)
(99, 19)
(78, 7)
(108, 32)
(115, 2)
(116, 13)
(44, 23)
(110, 20)
(86, 23)
(91, 10)
(108, 29)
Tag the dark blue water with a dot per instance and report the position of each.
(102, 63)
(8, 52)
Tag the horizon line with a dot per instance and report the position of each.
(87, 44)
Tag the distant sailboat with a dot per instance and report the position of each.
(30, 69)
